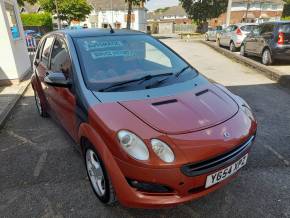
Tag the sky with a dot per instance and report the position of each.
(154, 4)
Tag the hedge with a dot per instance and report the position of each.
(41, 19)
(286, 18)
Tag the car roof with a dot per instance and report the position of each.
(277, 22)
(79, 33)
(246, 24)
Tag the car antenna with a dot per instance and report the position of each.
(111, 29)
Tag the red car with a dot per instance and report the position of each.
(152, 130)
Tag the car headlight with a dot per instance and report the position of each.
(162, 150)
(133, 145)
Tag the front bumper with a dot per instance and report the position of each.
(184, 188)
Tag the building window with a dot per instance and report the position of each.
(12, 21)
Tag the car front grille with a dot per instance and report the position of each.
(204, 167)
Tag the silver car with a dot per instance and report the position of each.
(234, 35)
(211, 34)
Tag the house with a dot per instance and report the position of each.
(115, 12)
(174, 14)
(252, 11)
(29, 8)
(169, 20)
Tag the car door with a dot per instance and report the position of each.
(227, 35)
(211, 34)
(61, 99)
(42, 64)
(264, 37)
(251, 40)
(223, 35)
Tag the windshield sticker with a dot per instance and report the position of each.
(105, 54)
(94, 44)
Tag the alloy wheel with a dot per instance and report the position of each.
(242, 52)
(232, 47)
(95, 173)
(266, 57)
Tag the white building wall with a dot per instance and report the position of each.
(111, 17)
(14, 58)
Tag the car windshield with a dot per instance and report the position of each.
(110, 60)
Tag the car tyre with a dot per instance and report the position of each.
(267, 57)
(206, 37)
(232, 47)
(243, 51)
(98, 176)
(39, 105)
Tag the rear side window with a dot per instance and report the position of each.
(285, 28)
(249, 28)
(266, 29)
(234, 28)
(46, 50)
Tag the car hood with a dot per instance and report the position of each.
(198, 109)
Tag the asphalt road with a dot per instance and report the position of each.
(42, 174)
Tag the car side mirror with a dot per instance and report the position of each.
(57, 79)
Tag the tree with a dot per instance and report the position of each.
(68, 10)
(286, 10)
(202, 10)
(132, 3)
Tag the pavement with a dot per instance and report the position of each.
(43, 175)
(279, 71)
(9, 96)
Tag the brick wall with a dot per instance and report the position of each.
(237, 16)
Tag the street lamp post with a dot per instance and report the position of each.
(229, 12)
(57, 14)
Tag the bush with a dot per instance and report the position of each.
(286, 18)
(38, 20)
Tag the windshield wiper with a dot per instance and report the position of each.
(157, 83)
(144, 78)
(183, 70)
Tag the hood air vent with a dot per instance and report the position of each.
(164, 102)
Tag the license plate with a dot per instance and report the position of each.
(226, 172)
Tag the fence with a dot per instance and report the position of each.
(185, 28)
(31, 44)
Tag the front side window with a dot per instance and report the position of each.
(60, 59)
(114, 59)
(46, 50)
(249, 28)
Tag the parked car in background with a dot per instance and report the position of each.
(153, 131)
(32, 39)
(270, 41)
(211, 34)
(234, 35)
